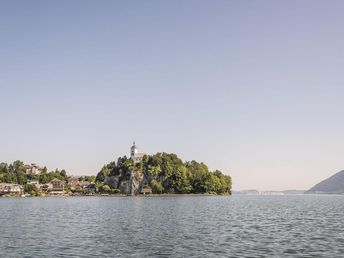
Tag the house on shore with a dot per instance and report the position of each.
(75, 183)
(11, 189)
(56, 187)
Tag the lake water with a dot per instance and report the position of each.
(184, 226)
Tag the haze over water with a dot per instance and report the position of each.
(184, 226)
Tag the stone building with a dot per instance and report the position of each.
(135, 155)
(33, 169)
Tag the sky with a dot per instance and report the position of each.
(252, 88)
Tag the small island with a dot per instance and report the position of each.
(140, 174)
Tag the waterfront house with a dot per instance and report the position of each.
(11, 189)
(74, 183)
(56, 186)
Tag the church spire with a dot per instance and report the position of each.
(133, 150)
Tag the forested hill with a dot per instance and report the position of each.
(16, 173)
(162, 173)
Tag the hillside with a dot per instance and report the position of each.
(332, 185)
(161, 173)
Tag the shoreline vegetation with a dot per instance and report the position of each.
(156, 175)
(112, 195)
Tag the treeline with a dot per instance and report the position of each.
(15, 173)
(166, 173)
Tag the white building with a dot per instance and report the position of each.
(135, 155)
(33, 169)
(11, 189)
(35, 183)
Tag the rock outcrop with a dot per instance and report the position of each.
(131, 186)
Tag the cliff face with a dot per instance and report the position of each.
(333, 185)
(131, 186)
(137, 181)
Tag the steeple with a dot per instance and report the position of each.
(133, 150)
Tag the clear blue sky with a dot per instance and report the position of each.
(253, 88)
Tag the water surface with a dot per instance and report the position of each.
(183, 226)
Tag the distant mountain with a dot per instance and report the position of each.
(331, 185)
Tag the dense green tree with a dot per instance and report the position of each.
(21, 178)
(166, 173)
(90, 178)
(10, 177)
(17, 167)
(157, 187)
(104, 172)
(3, 168)
(32, 190)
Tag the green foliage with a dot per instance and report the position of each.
(157, 187)
(45, 178)
(15, 173)
(32, 190)
(166, 173)
(115, 191)
(91, 179)
(105, 171)
(3, 168)
(106, 188)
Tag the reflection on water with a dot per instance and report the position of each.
(185, 226)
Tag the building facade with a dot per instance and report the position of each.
(33, 169)
(11, 189)
(56, 186)
(135, 155)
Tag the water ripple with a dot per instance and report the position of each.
(188, 226)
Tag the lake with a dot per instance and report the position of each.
(183, 226)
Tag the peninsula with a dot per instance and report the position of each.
(161, 173)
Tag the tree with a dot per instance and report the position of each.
(157, 187)
(90, 178)
(3, 167)
(10, 178)
(104, 172)
(17, 167)
(21, 178)
(63, 173)
(106, 188)
(32, 190)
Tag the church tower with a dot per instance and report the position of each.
(133, 151)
